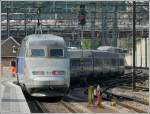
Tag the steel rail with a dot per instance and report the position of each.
(130, 107)
(119, 82)
(71, 109)
(41, 106)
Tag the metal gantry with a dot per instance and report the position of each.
(106, 21)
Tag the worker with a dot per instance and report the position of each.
(98, 96)
(13, 68)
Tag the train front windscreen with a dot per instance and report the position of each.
(56, 53)
(37, 52)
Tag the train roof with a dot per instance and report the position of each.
(36, 37)
(110, 49)
(88, 50)
(74, 48)
(88, 53)
(45, 39)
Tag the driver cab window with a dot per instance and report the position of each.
(37, 53)
(56, 53)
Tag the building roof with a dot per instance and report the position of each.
(7, 47)
(2, 41)
(9, 38)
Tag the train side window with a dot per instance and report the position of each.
(87, 62)
(75, 62)
(104, 62)
(97, 61)
(113, 61)
(117, 62)
(121, 61)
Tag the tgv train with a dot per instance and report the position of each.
(43, 65)
(95, 63)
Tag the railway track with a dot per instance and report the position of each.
(62, 106)
(130, 67)
(48, 105)
(66, 105)
(143, 88)
(110, 95)
(58, 107)
(34, 105)
(126, 79)
(126, 101)
(132, 105)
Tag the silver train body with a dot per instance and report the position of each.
(43, 65)
(95, 63)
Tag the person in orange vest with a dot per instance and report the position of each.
(13, 68)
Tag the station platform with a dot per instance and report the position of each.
(12, 99)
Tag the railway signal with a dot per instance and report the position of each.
(82, 15)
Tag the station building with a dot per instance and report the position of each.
(8, 52)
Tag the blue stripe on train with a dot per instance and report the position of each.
(20, 65)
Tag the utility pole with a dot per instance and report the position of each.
(82, 20)
(104, 27)
(145, 52)
(141, 52)
(93, 16)
(25, 23)
(38, 29)
(8, 24)
(115, 27)
(82, 37)
(134, 45)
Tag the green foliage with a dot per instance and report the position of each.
(87, 43)
(97, 43)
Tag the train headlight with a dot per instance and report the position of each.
(55, 72)
(38, 72)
